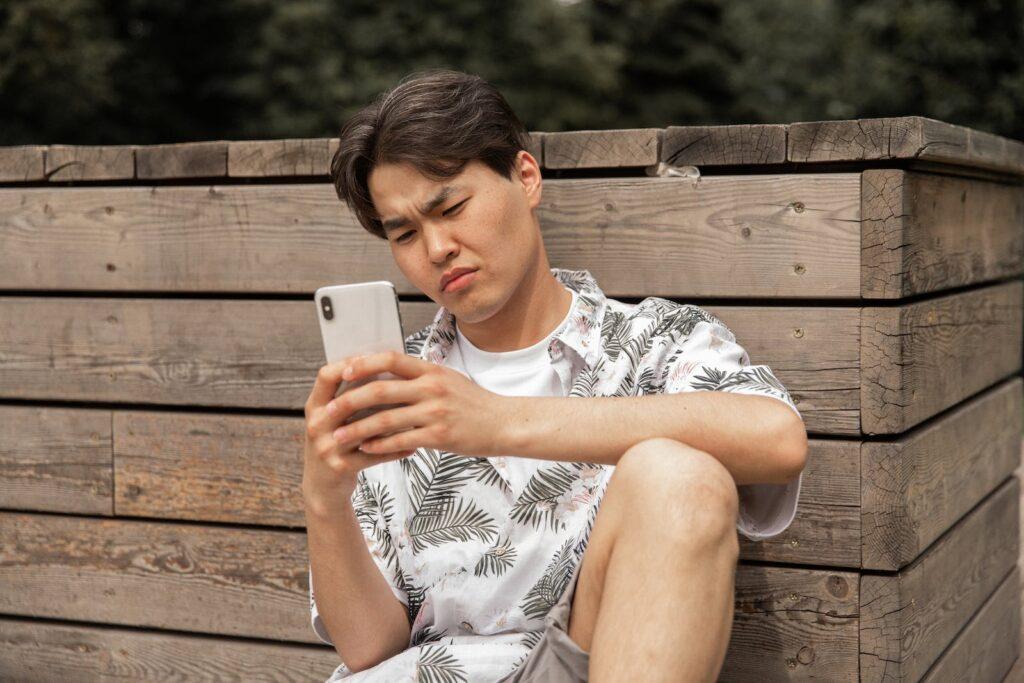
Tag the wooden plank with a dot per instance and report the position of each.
(85, 162)
(212, 579)
(239, 469)
(292, 157)
(602, 148)
(183, 160)
(41, 652)
(206, 467)
(904, 137)
(536, 147)
(792, 623)
(22, 163)
(786, 338)
(265, 354)
(925, 232)
(786, 236)
(918, 486)
(910, 617)
(700, 146)
(56, 459)
(921, 358)
(188, 577)
(987, 647)
(826, 529)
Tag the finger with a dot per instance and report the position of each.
(391, 420)
(413, 438)
(397, 363)
(328, 378)
(394, 456)
(376, 393)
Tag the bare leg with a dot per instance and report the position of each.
(655, 595)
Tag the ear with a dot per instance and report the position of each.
(528, 173)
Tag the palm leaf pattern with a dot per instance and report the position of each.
(373, 508)
(629, 350)
(588, 381)
(427, 635)
(552, 583)
(498, 558)
(538, 501)
(451, 519)
(483, 470)
(436, 665)
(433, 475)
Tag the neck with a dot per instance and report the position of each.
(531, 313)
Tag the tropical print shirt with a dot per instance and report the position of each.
(477, 564)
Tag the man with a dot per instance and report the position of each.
(557, 495)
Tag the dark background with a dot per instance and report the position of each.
(156, 71)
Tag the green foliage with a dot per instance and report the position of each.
(143, 71)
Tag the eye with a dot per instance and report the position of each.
(448, 211)
(402, 237)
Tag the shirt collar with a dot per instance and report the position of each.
(581, 332)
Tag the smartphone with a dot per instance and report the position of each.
(358, 319)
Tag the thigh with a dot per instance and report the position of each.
(647, 477)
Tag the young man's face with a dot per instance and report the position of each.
(477, 219)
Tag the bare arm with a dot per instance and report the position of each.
(365, 620)
(758, 439)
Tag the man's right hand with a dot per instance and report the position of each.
(331, 467)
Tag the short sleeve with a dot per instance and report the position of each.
(710, 359)
(373, 505)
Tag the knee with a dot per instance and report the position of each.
(685, 492)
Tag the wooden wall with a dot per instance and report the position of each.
(158, 340)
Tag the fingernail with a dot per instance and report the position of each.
(332, 408)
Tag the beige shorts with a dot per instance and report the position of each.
(556, 658)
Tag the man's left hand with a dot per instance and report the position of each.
(442, 409)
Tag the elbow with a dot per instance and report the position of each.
(794, 449)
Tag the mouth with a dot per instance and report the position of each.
(459, 282)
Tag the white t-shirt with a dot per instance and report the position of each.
(523, 372)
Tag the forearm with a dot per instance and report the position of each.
(758, 439)
(365, 620)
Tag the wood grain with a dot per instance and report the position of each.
(85, 162)
(792, 623)
(22, 163)
(982, 651)
(905, 137)
(290, 157)
(921, 358)
(41, 652)
(602, 148)
(907, 619)
(182, 160)
(917, 486)
(219, 580)
(756, 145)
(796, 236)
(265, 353)
(926, 232)
(56, 459)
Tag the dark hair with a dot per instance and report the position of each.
(437, 120)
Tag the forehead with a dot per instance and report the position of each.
(401, 181)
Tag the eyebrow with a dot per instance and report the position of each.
(442, 196)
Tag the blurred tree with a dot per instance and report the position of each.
(55, 70)
(144, 71)
(314, 62)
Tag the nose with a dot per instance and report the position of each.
(441, 245)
